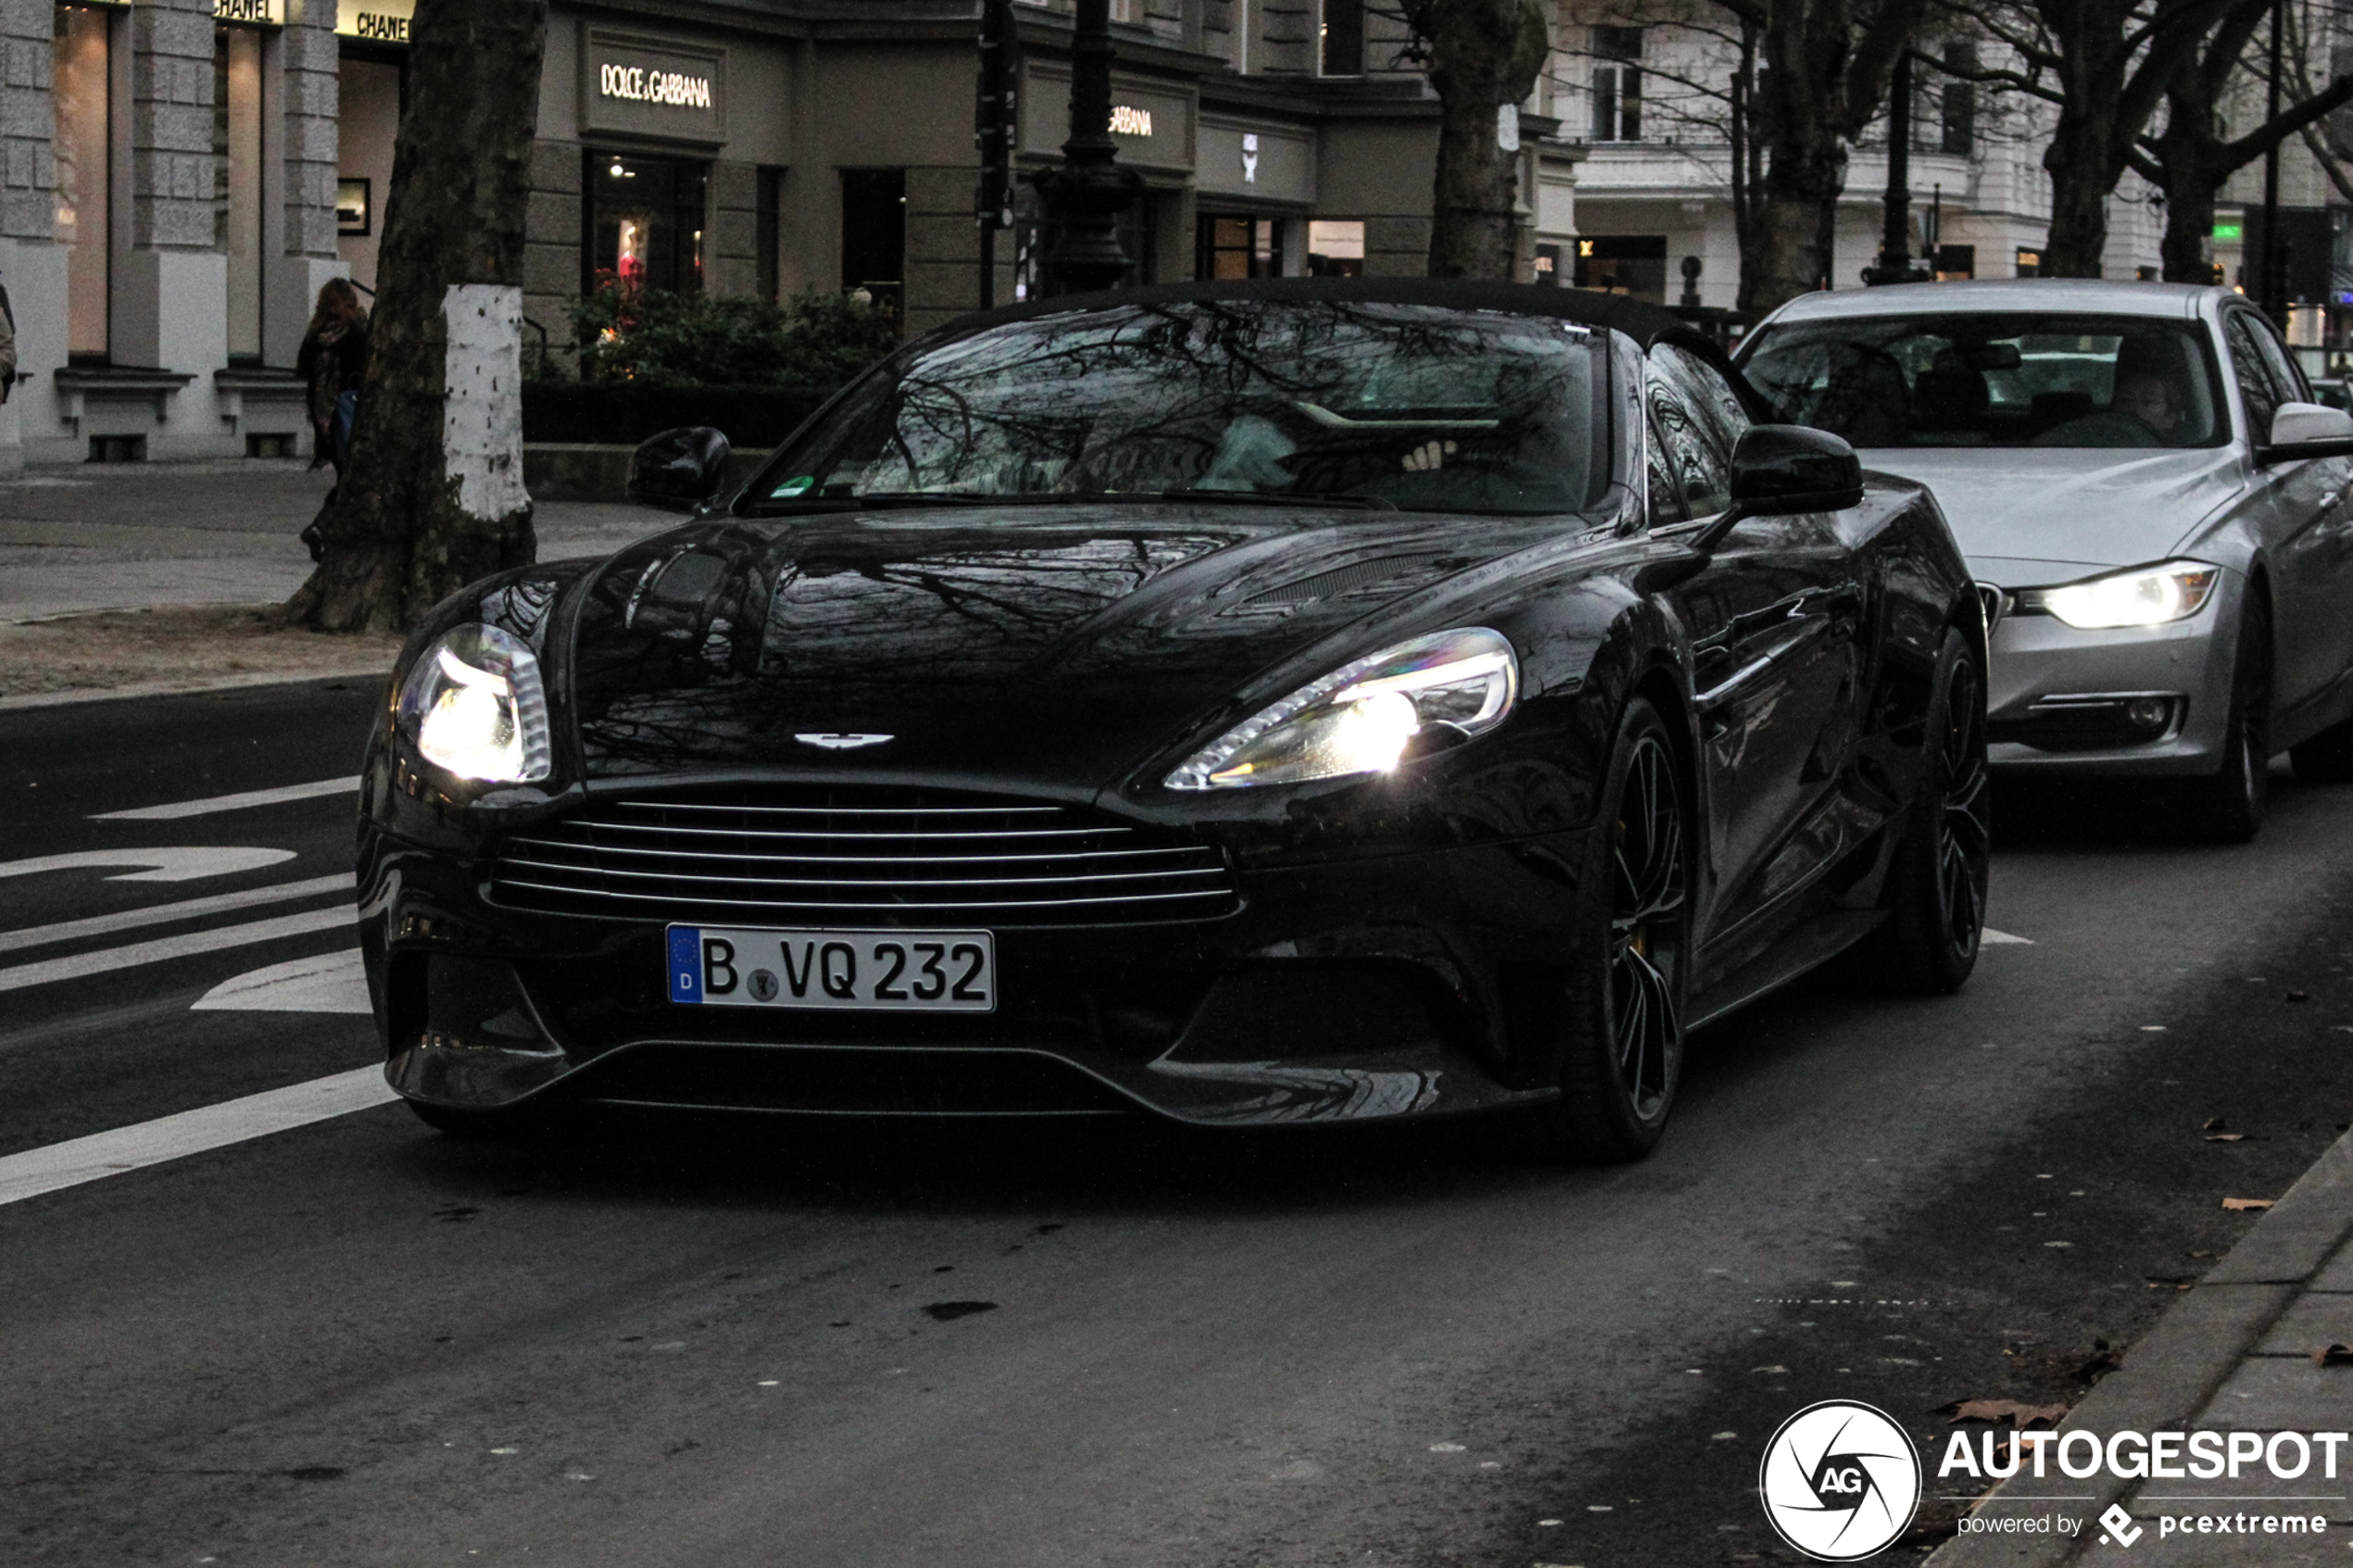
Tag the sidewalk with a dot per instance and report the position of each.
(117, 579)
(2234, 1355)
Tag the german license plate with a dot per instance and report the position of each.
(867, 971)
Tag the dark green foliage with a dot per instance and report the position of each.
(809, 344)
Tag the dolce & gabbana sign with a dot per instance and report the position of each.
(653, 87)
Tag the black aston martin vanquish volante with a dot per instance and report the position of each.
(1254, 704)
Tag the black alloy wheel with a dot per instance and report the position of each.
(2228, 806)
(1622, 1036)
(1936, 883)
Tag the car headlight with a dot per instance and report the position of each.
(474, 706)
(1362, 717)
(2147, 596)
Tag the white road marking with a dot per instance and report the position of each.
(1989, 937)
(162, 947)
(38, 1171)
(331, 982)
(184, 863)
(186, 909)
(237, 802)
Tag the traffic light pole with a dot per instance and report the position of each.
(995, 124)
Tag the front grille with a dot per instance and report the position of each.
(826, 855)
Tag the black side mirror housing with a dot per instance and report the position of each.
(679, 469)
(1781, 468)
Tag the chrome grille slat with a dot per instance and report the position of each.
(801, 853)
(1008, 859)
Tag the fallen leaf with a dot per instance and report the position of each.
(2240, 1203)
(2226, 1137)
(947, 1312)
(2016, 1415)
(2333, 1355)
(2171, 1282)
(2212, 1124)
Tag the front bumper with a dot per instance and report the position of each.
(1345, 991)
(2059, 698)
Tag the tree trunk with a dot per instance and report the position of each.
(2084, 162)
(1826, 74)
(433, 498)
(1483, 57)
(2195, 169)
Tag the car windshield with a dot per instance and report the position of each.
(1413, 406)
(1995, 379)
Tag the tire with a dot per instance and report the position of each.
(2228, 807)
(2327, 757)
(1621, 1017)
(1936, 883)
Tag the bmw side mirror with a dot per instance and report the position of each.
(679, 469)
(1778, 470)
(2307, 430)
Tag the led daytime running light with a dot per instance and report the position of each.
(2151, 595)
(1362, 717)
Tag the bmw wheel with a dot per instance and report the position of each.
(2228, 807)
(1621, 1035)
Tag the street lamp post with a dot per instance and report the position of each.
(1896, 238)
(1084, 197)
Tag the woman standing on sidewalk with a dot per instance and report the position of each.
(332, 363)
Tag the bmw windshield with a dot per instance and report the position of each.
(1989, 379)
(1348, 403)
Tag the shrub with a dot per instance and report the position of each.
(810, 345)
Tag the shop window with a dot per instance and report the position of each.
(370, 88)
(237, 164)
(1336, 249)
(2030, 263)
(1617, 85)
(1548, 261)
(1344, 38)
(873, 234)
(1238, 247)
(80, 75)
(1626, 264)
(646, 222)
(767, 234)
(1955, 264)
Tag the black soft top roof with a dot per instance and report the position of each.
(1646, 324)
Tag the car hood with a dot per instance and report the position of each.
(2030, 515)
(1001, 646)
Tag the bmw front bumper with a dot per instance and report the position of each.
(2064, 701)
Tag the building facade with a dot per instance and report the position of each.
(182, 176)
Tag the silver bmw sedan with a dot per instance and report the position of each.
(2159, 510)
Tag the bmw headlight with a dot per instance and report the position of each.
(474, 706)
(2146, 596)
(1364, 716)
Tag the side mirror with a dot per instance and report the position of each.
(679, 469)
(1778, 470)
(2307, 430)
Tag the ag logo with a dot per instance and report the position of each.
(1840, 1481)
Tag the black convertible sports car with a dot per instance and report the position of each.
(1291, 702)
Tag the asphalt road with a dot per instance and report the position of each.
(648, 1343)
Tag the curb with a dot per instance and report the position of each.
(2172, 1372)
(376, 669)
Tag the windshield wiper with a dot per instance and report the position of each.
(1282, 498)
